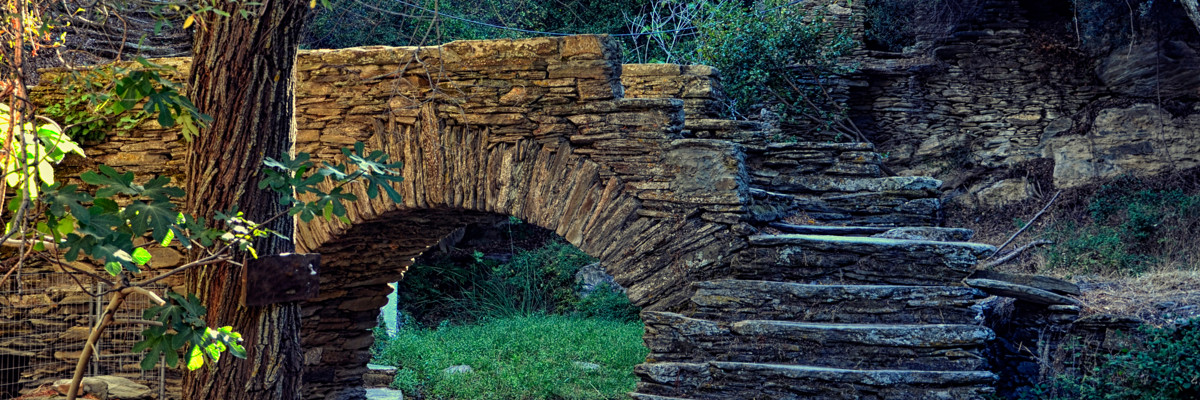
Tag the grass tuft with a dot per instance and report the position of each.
(531, 357)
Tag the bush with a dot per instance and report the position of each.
(606, 302)
(1132, 227)
(1166, 367)
(519, 358)
(352, 23)
(774, 53)
(539, 281)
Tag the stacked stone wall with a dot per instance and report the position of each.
(45, 318)
(1005, 88)
(699, 86)
(536, 128)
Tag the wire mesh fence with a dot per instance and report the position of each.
(45, 319)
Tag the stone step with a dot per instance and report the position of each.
(734, 300)
(767, 162)
(911, 233)
(858, 260)
(640, 396)
(886, 201)
(912, 186)
(676, 338)
(732, 380)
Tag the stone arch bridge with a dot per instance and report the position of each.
(752, 258)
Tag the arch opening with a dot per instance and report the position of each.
(361, 266)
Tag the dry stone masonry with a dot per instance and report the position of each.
(757, 262)
(1001, 90)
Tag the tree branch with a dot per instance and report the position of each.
(213, 259)
(90, 346)
(1013, 254)
(1027, 225)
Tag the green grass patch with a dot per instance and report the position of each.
(532, 357)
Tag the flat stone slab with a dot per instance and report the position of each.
(1020, 292)
(830, 229)
(929, 233)
(734, 300)
(858, 260)
(674, 337)
(1038, 281)
(384, 394)
(734, 380)
(803, 184)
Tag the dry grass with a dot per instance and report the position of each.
(1159, 298)
(1155, 277)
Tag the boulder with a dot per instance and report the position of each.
(1170, 68)
(108, 387)
(1140, 140)
(458, 369)
(592, 276)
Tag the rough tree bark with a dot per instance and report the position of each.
(243, 76)
(1193, 11)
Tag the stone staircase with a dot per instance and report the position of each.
(867, 301)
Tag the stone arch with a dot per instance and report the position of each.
(559, 148)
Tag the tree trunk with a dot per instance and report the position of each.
(242, 75)
(1192, 7)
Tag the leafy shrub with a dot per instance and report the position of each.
(607, 302)
(893, 25)
(1093, 249)
(532, 282)
(775, 53)
(1166, 367)
(380, 333)
(519, 358)
(1133, 225)
(352, 23)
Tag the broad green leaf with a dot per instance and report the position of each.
(113, 268)
(151, 359)
(195, 359)
(141, 256)
(46, 172)
(111, 182)
(172, 358)
(166, 241)
(158, 216)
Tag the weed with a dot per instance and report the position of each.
(607, 302)
(1131, 228)
(1167, 366)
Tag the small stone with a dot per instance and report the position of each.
(586, 365)
(458, 369)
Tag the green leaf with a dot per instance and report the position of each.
(111, 182)
(172, 358)
(158, 216)
(151, 359)
(141, 256)
(113, 268)
(195, 359)
(166, 241)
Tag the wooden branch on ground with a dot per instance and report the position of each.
(1027, 225)
(1013, 254)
